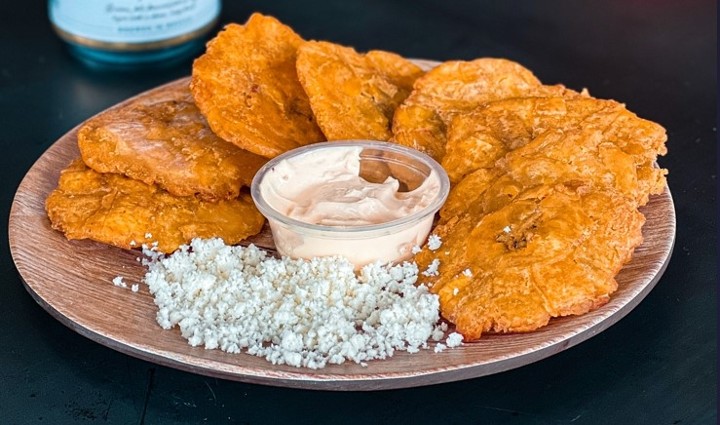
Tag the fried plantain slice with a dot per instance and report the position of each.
(456, 87)
(120, 211)
(467, 192)
(479, 138)
(163, 139)
(247, 87)
(543, 229)
(579, 158)
(353, 95)
(550, 252)
(583, 157)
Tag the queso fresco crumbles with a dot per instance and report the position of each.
(303, 313)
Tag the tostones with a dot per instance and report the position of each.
(247, 87)
(120, 211)
(353, 95)
(549, 252)
(163, 139)
(456, 87)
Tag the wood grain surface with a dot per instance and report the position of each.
(72, 280)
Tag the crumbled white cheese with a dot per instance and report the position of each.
(307, 313)
(467, 273)
(455, 291)
(133, 243)
(434, 242)
(454, 340)
(148, 235)
(416, 249)
(118, 281)
(153, 247)
(439, 332)
(432, 269)
(440, 347)
(506, 229)
(135, 287)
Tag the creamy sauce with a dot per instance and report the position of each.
(325, 188)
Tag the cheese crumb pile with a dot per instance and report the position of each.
(305, 313)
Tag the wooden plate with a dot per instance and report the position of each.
(72, 280)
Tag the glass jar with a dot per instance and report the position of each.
(133, 32)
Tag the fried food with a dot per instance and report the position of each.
(544, 210)
(479, 138)
(588, 157)
(468, 192)
(120, 211)
(247, 87)
(549, 252)
(353, 95)
(163, 139)
(456, 87)
(579, 157)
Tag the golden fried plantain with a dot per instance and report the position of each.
(549, 252)
(479, 138)
(579, 157)
(163, 139)
(247, 87)
(544, 210)
(584, 157)
(456, 87)
(467, 192)
(353, 95)
(120, 211)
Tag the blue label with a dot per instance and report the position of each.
(132, 21)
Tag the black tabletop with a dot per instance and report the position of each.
(656, 366)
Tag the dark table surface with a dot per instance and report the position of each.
(656, 366)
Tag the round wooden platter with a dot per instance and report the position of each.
(72, 280)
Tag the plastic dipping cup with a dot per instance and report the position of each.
(391, 241)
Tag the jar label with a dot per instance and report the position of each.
(132, 21)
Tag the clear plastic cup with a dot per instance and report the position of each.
(391, 241)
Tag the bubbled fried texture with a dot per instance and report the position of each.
(548, 252)
(480, 138)
(247, 87)
(457, 87)
(117, 210)
(354, 95)
(163, 139)
(543, 210)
